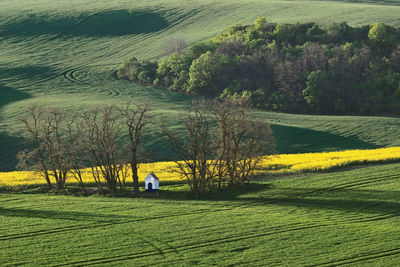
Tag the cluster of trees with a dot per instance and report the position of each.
(106, 139)
(298, 67)
(223, 145)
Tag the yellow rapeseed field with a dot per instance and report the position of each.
(275, 164)
(293, 163)
(163, 170)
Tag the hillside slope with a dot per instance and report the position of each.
(63, 53)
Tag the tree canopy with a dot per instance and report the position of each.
(300, 67)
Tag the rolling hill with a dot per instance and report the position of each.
(63, 53)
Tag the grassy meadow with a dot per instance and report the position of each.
(343, 218)
(62, 53)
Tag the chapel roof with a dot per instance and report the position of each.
(154, 176)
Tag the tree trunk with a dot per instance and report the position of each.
(135, 178)
(49, 184)
(113, 189)
(46, 174)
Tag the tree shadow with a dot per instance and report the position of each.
(107, 23)
(362, 206)
(62, 215)
(179, 190)
(384, 203)
(291, 139)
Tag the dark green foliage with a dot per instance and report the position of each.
(144, 72)
(316, 85)
(208, 74)
(299, 67)
(173, 71)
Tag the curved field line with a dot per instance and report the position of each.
(365, 257)
(69, 75)
(362, 182)
(218, 241)
(152, 244)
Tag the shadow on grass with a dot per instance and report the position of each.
(33, 73)
(369, 205)
(381, 202)
(300, 140)
(63, 215)
(361, 206)
(9, 144)
(373, 2)
(107, 23)
(9, 95)
(375, 202)
(9, 147)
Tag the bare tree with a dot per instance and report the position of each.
(59, 146)
(196, 150)
(223, 143)
(240, 142)
(122, 175)
(136, 118)
(55, 145)
(46, 144)
(100, 138)
(174, 45)
(75, 153)
(34, 157)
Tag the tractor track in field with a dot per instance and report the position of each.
(171, 249)
(70, 76)
(354, 219)
(358, 259)
(182, 17)
(152, 244)
(99, 224)
(359, 183)
(277, 230)
(113, 93)
(157, 250)
(190, 246)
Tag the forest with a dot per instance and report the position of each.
(299, 68)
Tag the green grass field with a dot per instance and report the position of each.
(343, 218)
(62, 53)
